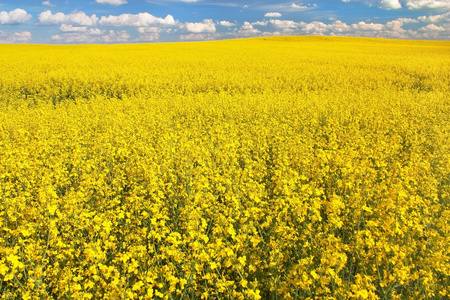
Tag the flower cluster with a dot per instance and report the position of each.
(275, 168)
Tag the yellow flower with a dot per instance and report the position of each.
(3, 269)
(363, 294)
(244, 283)
(313, 166)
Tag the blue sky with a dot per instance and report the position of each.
(137, 21)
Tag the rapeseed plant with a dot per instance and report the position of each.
(290, 168)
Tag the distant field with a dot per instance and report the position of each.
(270, 168)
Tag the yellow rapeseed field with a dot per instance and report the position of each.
(270, 168)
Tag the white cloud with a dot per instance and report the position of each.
(394, 26)
(152, 29)
(427, 4)
(296, 6)
(248, 30)
(407, 20)
(116, 36)
(150, 34)
(193, 37)
(431, 27)
(16, 16)
(226, 23)
(112, 2)
(71, 28)
(202, 36)
(436, 18)
(390, 29)
(286, 7)
(23, 36)
(92, 36)
(47, 18)
(76, 18)
(273, 15)
(409, 4)
(138, 20)
(390, 4)
(363, 26)
(47, 3)
(149, 37)
(267, 33)
(314, 27)
(74, 29)
(95, 31)
(260, 23)
(15, 37)
(433, 31)
(72, 38)
(205, 26)
(339, 27)
(284, 24)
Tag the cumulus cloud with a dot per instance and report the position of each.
(432, 28)
(248, 30)
(427, 4)
(95, 31)
(15, 37)
(226, 23)
(339, 27)
(138, 20)
(363, 26)
(72, 38)
(16, 16)
(260, 23)
(116, 36)
(71, 28)
(76, 18)
(390, 4)
(284, 24)
(112, 2)
(47, 3)
(433, 31)
(148, 37)
(206, 26)
(274, 33)
(394, 26)
(409, 4)
(391, 29)
(92, 36)
(73, 34)
(314, 27)
(436, 18)
(407, 20)
(194, 37)
(273, 15)
(152, 29)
